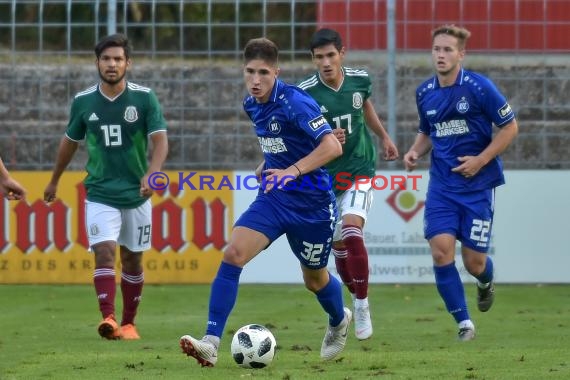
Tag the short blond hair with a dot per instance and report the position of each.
(460, 33)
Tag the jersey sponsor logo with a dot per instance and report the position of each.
(93, 229)
(431, 112)
(274, 127)
(357, 100)
(272, 144)
(93, 117)
(462, 106)
(505, 110)
(131, 114)
(451, 128)
(317, 122)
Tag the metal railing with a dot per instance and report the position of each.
(189, 52)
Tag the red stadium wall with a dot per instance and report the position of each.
(496, 25)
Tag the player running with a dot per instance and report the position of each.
(296, 142)
(343, 94)
(457, 109)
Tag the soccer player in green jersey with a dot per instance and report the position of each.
(344, 96)
(115, 118)
(9, 187)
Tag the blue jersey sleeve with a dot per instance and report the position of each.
(495, 104)
(307, 114)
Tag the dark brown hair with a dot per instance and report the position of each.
(113, 40)
(325, 36)
(261, 48)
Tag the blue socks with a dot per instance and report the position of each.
(487, 275)
(451, 290)
(224, 291)
(223, 297)
(330, 298)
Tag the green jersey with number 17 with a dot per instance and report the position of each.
(342, 108)
(116, 137)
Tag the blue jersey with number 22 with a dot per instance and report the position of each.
(459, 121)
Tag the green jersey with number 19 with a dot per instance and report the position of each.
(342, 108)
(116, 137)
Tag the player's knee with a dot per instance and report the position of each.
(310, 286)
(132, 264)
(233, 256)
(313, 285)
(316, 281)
(439, 258)
(442, 257)
(442, 249)
(104, 254)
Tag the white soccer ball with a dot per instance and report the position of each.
(253, 346)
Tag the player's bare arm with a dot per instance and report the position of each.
(159, 153)
(470, 165)
(421, 146)
(65, 153)
(375, 124)
(328, 149)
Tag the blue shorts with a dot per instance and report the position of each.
(309, 232)
(467, 216)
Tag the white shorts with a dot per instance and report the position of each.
(353, 202)
(127, 227)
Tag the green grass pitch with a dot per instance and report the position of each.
(49, 332)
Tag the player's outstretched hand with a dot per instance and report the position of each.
(12, 190)
(390, 150)
(411, 160)
(145, 190)
(50, 192)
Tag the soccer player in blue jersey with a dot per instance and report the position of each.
(296, 142)
(457, 109)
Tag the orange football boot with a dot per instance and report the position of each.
(129, 332)
(108, 328)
